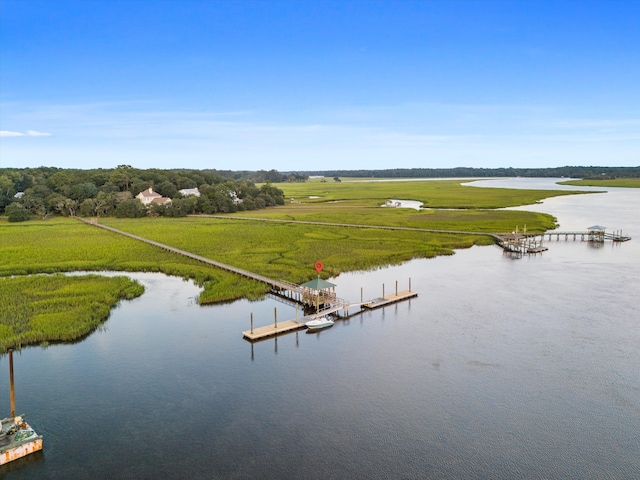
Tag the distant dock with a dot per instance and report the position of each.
(523, 243)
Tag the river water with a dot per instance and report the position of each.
(500, 368)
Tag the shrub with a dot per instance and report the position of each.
(17, 213)
(131, 209)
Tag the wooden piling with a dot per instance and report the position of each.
(11, 388)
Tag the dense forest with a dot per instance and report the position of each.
(44, 191)
(572, 172)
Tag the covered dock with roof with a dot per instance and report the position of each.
(318, 292)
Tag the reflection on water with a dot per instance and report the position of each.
(500, 368)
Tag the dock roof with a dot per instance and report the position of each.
(318, 284)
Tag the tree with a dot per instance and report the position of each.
(55, 203)
(60, 182)
(7, 190)
(34, 200)
(105, 203)
(131, 209)
(82, 191)
(273, 193)
(17, 213)
(122, 176)
(70, 206)
(167, 189)
(87, 208)
(177, 208)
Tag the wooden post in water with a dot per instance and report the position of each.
(409, 283)
(396, 288)
(383, 290)
(275, 319)
(361, 298)
(252, 322)
(11, 388)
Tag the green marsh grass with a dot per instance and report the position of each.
(432, 193)
(288, 251)
(67, 245)
(615, 182)
(280, 251)
(37, 309)
(487, 221)
(50, 308)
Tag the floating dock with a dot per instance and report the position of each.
(17, 440)
(273, 329)
(391, 298)
(278, 328)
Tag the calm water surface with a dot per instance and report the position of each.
(500, 368)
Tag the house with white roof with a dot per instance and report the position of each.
(190, 192)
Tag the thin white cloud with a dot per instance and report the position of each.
(30, 133)
(33, 133)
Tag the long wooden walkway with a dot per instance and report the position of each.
(282, 285)
(590, 236)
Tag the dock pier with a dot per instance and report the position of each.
(288, 326)
(523, 243)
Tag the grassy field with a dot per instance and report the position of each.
(64, 244)
(52, 308)
(282, 251)
(616, 182)
(488, 221)
(433, 194)
(288, 251)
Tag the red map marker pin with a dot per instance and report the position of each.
(318, 266)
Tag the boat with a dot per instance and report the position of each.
(17, 439)
(319, 323)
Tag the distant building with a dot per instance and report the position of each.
(190, 192)
(147, 197)
(234, 198)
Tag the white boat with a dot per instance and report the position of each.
(319, 323)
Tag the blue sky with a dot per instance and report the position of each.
(307, 85)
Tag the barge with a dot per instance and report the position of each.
(17, 439)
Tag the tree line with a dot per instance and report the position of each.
(44, 191)
(459, 172)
